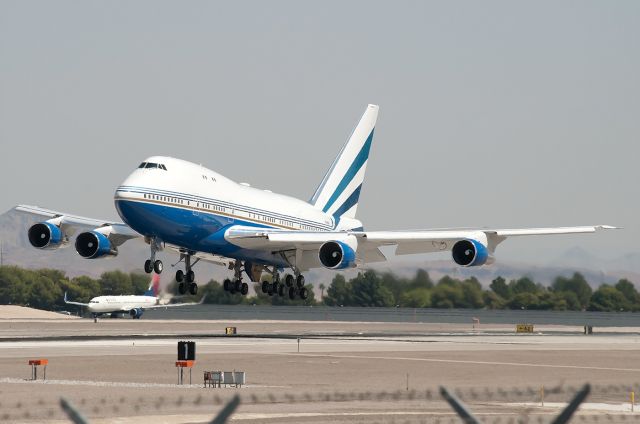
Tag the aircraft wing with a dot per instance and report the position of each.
(117, 232)
(73, 303)
(173, 305)
(369, 242)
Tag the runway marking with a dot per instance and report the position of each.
(462, 361)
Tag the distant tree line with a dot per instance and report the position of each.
(370, 288)
(45, 288)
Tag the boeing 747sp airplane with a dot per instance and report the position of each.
(202, 215)
(131, 304)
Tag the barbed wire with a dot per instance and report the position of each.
(524, 402)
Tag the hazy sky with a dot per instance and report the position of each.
(496, 114)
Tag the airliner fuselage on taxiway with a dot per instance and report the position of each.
(134, 305)
(205, 216)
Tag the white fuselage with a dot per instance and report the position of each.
(190, 206)
(106, 304)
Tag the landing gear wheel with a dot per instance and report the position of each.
(288, 280)
(274, 288)
(157, 266)
(300, 281)
(148, 266)
(265, 286)
(179, 276)
(281, 290)
(226, 284)
(304, 293)
(191, 277)
(237, 286)
(245, 289)
(182, 288)
(270, 291)
(193, 288)
(292, 293)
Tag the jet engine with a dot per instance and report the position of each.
(92, 245)
(46, 235)
(136, 313)
(338, 254)
(470, 253)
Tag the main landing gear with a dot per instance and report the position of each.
(187, 277)
(292, 286)
(236, 285)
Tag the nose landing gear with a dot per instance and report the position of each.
(152, 264)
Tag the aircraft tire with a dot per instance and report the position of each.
(193, 289)
(191, 277)
(179, 276)
(265, 286)
(300, 281)
(226, 284)
(182, 288)
(237, 286)
(148, 266)
(288, 279)
(281, 290)
(245, 289)
(157, 266)
(292, 293)
(304, 293)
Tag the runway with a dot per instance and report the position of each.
(343, 372)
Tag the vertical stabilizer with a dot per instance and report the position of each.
(339, 191)
(154, 286)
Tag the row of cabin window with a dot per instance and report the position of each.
(221, 209)
(164, 198)
(149, 165)
(209, 206)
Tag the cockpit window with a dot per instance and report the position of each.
(150, 165)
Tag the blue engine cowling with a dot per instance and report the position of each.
(470, 253)
(46, 235)
(337, 255)
(92, 245)
(136, 313)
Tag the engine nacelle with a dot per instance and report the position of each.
(337, 255)
(470, 253)
(136, 313)
(46, 235)
(92, 245)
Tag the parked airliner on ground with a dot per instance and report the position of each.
(205, 216)
(131, 304)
